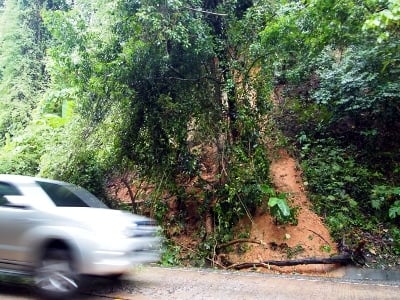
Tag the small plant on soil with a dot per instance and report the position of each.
(171, 254)
(282, 212)
(294, 251)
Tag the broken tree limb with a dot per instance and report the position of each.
(338, 259)
(238, 241)
(320, 236)
(350, 256)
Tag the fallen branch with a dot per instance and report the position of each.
(321, 237)
(213, 261)
(338, 259)
(238, 241)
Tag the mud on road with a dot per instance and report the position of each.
(164, 283)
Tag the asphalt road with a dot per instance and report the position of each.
(161, 283)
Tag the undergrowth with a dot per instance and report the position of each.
(352, 197)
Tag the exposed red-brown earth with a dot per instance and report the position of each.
(308, 239)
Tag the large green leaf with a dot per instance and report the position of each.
(281, 203)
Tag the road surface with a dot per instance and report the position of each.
(163, 283)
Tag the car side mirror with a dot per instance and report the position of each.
(17, 201)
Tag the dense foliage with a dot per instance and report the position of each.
(93, 90)
(341, 107)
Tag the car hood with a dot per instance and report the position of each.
(99, 217)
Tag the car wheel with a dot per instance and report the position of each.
(55, 276)
(114, 277)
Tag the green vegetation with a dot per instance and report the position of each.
(93, 90)
(280, 209)
(341, 108)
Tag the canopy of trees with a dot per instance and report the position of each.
(93, 89)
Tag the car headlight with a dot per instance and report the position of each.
(142, 228)
(130, 230)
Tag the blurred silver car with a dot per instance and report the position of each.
(57, 232)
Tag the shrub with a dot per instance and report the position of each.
(339, 186)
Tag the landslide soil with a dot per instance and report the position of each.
(309, 238)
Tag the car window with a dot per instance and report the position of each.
(70, 195)
(7, 189)
(90, 199)
(61, 196)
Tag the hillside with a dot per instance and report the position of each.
(309, 238)
(167, 105)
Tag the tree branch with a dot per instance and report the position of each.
(213, 261)
(320, 236)
(230, 243)
(205, 11)
(354, 256)
(338, 259)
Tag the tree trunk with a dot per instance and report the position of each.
(338, 259)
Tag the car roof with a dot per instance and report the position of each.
(27, 179)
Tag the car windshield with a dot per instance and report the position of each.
(70, 195)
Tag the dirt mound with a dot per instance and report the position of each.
(309, 238)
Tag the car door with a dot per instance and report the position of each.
(15, 221)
